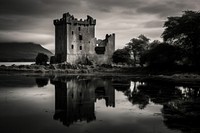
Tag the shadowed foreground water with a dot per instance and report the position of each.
(94, 104)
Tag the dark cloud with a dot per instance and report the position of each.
(109, 5)
(153, 24)
(18, 7)
(34, 7)
(26, 24)
(165, 8)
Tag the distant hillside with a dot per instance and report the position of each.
(21, 52)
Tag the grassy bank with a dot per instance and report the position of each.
(171, 75)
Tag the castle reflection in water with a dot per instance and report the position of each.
(75, 98)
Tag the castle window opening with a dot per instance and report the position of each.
(80, 47)
(79, 28)
(100, 50)
(80, 37)
(72, 32)
(72, 46)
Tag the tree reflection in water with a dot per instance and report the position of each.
(184, 113)
(130, 89)
(41, 82)
(181, 105)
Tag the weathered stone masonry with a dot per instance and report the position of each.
(75, 41)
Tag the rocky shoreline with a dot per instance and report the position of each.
(55, 68)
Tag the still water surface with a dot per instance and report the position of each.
(16, 63)
(81, 104)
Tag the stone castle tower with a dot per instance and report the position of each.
(75, 41)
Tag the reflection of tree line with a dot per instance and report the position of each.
(41, 82)
(184, 113)
(75, 98)
(181, 106)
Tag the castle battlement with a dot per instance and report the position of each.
(70, 19)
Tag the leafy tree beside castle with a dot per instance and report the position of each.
(137, 47)
(184, 31)
(41, 59)
(121, 56)
(162, 56)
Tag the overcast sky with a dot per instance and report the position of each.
(32, 20)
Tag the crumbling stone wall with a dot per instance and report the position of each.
(108, 45)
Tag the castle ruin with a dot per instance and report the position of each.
(75, 42)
